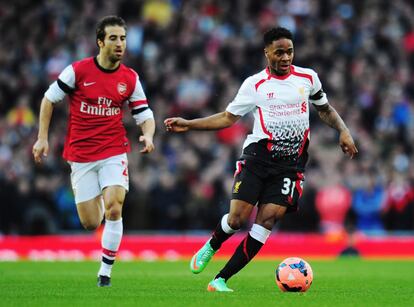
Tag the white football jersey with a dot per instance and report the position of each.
(280, 106)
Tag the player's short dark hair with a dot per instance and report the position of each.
(276, 33)
(108, 21)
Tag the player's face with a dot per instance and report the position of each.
(279, 56)
(114, 44)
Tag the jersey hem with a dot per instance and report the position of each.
(71, 158)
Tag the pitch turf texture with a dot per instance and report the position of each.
(344, 282)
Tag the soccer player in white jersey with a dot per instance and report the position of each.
(96, 143)
(269, 173)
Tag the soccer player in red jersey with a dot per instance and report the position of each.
(96, 143)
(270, 172)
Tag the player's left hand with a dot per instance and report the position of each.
(347, 143)
(148, 144)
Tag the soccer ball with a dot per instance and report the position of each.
(294, 275)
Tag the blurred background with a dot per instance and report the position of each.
(191, 57)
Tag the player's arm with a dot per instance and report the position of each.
(145, 120)
(147, 137)
(143, 115)
(65, 84)
(214, 122)
(328, 115)
(41, 147)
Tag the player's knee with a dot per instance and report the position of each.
(235, 221)
(90, 225)
(114, 211)
(113, 214)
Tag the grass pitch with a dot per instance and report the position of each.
(345, 282)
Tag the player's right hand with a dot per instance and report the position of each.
(347, 144)
(40, 148)
(176, 124)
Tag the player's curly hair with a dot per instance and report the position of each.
(276, 33)
(108, 21)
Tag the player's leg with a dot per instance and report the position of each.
(88, 199)
(246, 188)
(113, 230)
(239, 213)
(228, 225)
(278, 196)
(266, 217)
(113, 177)
(91, 212)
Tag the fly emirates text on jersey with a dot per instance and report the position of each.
(102, 108)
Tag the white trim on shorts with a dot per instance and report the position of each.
(90, 178)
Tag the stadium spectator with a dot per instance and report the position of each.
(333, 203)
(399, 203)
(368, 204)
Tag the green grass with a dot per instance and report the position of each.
(347, 282)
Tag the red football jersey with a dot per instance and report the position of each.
(95, 130)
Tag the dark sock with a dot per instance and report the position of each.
(218, 237)
(245, 252)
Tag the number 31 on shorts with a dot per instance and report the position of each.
(289, 186)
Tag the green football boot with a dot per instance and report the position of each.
(201, 258)
(219, 285)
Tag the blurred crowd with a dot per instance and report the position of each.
(191, 57)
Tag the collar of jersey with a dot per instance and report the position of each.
(269, 75)
(104, 69)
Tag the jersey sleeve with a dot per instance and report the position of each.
(138, 104)
(244, 102)
(317, 95)
(65, 84)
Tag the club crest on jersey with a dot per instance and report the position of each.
(236, 187)
(122, 88)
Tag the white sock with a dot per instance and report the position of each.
(259, 233)
(111, 239)
(225, 226)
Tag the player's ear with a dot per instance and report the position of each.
(265, 52)
(100, 43)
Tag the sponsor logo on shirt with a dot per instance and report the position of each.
(103, 108)
(276, 110)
